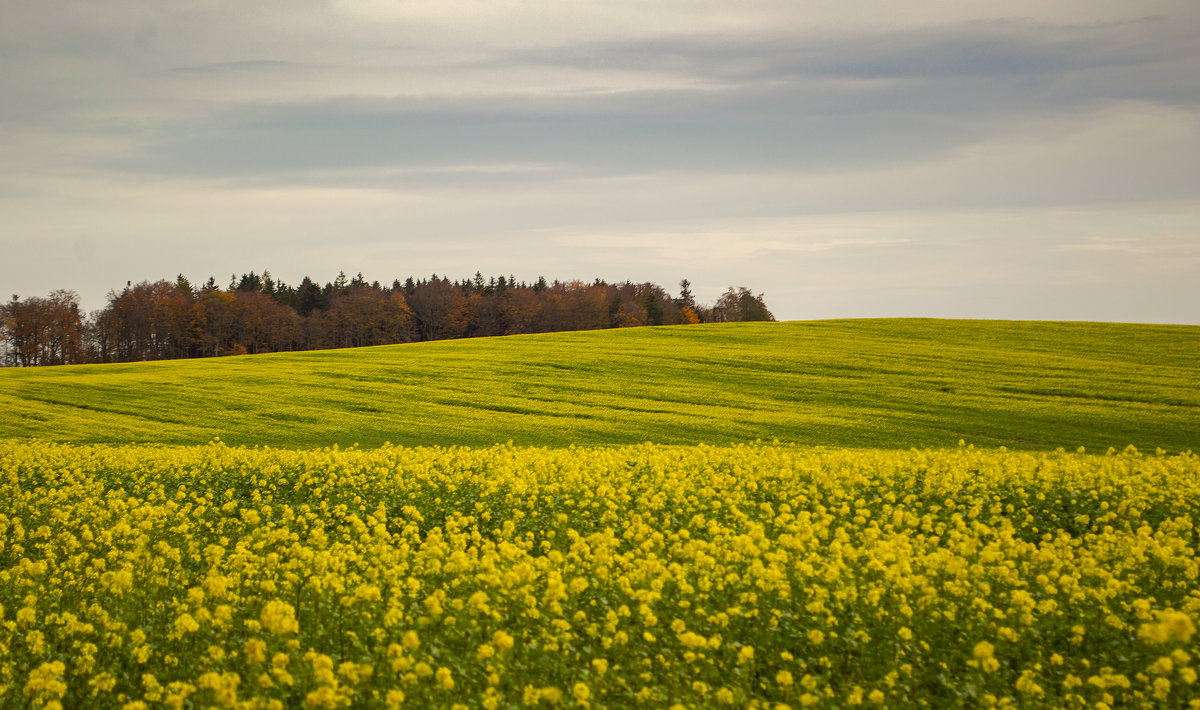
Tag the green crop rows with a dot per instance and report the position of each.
(860, 383)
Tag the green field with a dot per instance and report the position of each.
(865, 559)
(861, 383)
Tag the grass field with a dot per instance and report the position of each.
(862, 383)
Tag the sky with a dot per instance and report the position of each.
(970, 159)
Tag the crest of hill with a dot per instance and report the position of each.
(889, 383)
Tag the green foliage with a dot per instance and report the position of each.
(878, 383)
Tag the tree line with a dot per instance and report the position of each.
(255, 313)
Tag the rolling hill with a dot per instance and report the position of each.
(889, 383)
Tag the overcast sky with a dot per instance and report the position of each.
(1015, 159)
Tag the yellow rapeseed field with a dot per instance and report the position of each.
(761, 576)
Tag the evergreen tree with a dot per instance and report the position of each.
(249, 283)
(654, 311)
(685, 300)
(309, 297)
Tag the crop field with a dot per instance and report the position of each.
(761, 576)
(892, 514)
(861, 383)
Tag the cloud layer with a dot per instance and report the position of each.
(991, 160)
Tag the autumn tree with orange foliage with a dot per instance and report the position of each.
(258, 314)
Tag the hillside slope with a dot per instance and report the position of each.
(880, 383)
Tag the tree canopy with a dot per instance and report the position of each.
(157, 320)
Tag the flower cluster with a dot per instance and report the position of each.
(760, 576)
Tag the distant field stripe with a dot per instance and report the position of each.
(863, 383)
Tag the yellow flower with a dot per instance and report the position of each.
(279, 617)
(186, 624)
(354, 672)
(1179, 625)
(255, 650)
(44, 681)
(394, 699)
(478, 601)
(322, 697)
(1026, 684)
(223, 685)
(1162, 688)
(36, 641)
(581, 692)
(119, 581)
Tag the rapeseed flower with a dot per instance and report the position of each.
(460, 576)
(279, 617)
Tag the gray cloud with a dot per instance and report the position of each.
(238, 66)
(983, 49)
(778, 103)
(439, 131)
